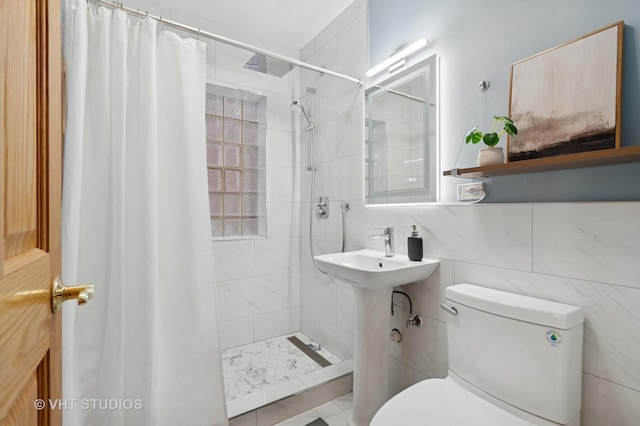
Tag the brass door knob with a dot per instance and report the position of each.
(61, 293)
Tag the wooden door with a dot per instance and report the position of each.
(30, 185)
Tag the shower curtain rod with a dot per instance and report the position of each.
(216, 37)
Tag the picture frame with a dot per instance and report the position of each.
(567, 99)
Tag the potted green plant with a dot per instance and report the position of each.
(492, 154)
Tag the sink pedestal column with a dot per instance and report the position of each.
(371, 354)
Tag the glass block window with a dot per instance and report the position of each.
(235, 124)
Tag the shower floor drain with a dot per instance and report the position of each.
(311, 350)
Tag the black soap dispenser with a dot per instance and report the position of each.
(414, 245)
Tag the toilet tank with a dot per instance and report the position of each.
(522, 350)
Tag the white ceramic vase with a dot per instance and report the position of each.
(489, 156)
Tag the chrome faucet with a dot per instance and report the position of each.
(387, 234)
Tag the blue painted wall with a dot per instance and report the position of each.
(479, 40)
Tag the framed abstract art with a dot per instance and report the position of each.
(567, 99)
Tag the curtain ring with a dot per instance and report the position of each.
(199, 31)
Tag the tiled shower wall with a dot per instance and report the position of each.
(585, 254)
(257, 278)
(337, 108)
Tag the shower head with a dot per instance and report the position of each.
(297, 107)
(268, 65)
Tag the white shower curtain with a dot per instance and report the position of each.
(144, 351)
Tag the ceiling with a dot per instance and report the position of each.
(288, 23)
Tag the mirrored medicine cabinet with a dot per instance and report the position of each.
(401, 136)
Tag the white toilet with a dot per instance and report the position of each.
(513, 360)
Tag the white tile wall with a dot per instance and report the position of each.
(488, 234)
(585, 254)
(280, 147)
(235, 332)
(605, 403)
(246, 297)
(257, 279)
(283, 220)
(425, 349)
(596, 242)
(427, 295)
(280, 184)
(233, 259)
(319, 297)
(332, 336)
(277, 323)
(276, 256)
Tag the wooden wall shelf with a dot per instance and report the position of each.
(628, 154)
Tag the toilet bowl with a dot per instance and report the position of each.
(513, 360)
(442, 402)
(446, 402)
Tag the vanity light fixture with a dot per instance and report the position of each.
(397, 57)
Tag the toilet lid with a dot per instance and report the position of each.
(436, 402)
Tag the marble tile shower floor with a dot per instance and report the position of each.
(263, 372)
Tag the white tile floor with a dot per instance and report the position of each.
(335, 413)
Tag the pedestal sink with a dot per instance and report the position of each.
(373, 277)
